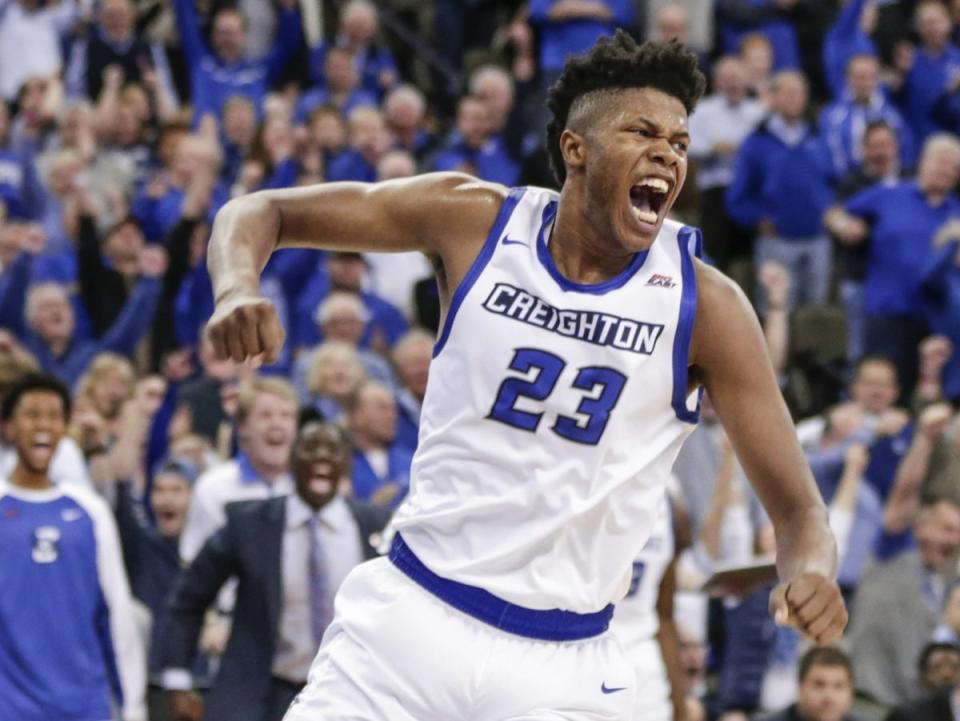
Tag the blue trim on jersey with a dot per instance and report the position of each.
(546, 260)
(688, 314)
(552, 625)
(479, 263)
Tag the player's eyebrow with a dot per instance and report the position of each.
(681, 133)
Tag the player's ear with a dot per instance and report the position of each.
(573, 149)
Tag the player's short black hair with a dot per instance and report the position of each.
(825, 656)
(932, 648)
(616, 63)
(30, 383)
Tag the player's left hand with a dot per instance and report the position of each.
(812, 604)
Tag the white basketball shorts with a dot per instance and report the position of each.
(397, 652)
(653, 702)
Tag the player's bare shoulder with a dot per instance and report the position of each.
(461, 208)
(724, 314)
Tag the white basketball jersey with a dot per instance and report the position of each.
(553, 415)
(635, 619)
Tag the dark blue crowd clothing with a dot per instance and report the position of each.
(313, 99)
(351, 165)
(157, 216)
(941, 295)
(842, 125)
(923, 87)
(886, 453)
(490, 162)
(559, 39)
(421, 146)
(843, 41)
(385, 321)
(371, 62)
(902, 226)
(279, 282)
(93, 53)
(787, 184)
(748, 638)
(213, 81)
(408, 420)
(21, 191)
(122, 337)
(152, 561)
(739, 18)
(365, 482)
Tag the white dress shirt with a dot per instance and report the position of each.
(719, 121)
(231, 481)
(339, 539)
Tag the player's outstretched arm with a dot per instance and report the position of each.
(445, 214)
(731, 360)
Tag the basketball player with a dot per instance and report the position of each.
(577, 331)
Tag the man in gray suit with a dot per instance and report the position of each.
(899, 600)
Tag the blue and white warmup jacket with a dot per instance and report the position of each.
(69, 645)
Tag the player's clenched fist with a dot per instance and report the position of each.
(812, 604)
(246, 327)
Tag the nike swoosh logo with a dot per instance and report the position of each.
(508, 241)
(603, 687)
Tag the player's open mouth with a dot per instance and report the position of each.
(647, 198)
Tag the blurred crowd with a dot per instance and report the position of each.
(824, 168)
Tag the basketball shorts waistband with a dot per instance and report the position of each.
(551, 625)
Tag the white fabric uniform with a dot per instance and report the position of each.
(553, 414)
(636, 623)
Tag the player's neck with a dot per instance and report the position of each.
(28, 479)
(581, 250)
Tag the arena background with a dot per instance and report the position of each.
(823, 172)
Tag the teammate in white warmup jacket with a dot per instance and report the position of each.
(578, 328)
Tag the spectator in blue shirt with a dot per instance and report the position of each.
(20, 188)
(880, 164)
(900, 222)
(69, 645)
(472, 148)
(568, 27)
(848, 37)
(357, 34)
(342, 317)
(221, 71)
(941, 293)
(781, 187)
(928, 70)
(369, 142)
(381, 466)
(47, 323)
(844, 122)
(838, 465)
(404, 109)
(345, 271)
(739, 18)
(341, 87)
(158, 206)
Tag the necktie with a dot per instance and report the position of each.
(321, 606)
